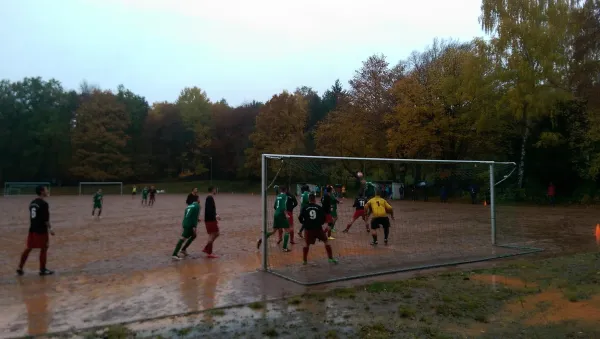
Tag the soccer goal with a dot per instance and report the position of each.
(90, 187)
(448, 216)
(22, 188)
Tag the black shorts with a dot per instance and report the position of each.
(380, 221)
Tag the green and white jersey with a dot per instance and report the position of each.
(98, 198)
(304, 199)
(280, 204)
(190, 217)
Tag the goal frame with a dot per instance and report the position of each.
(23, 184)
(101, 183)
(491, 165)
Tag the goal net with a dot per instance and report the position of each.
(90, 187)
(22, 188)
(445, 214)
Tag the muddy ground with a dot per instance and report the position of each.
(118, 269)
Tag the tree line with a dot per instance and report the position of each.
(529, 93)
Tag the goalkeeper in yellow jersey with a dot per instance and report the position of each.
(378, 209)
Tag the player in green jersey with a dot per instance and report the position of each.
(304, 201)
(145, 196)
(334, 204)
(280, 220)
(189, 223)
(98, 197)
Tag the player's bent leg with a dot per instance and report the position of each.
(178, 247)
(386, 233)
(286, 239)
(187, 244)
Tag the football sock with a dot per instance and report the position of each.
(24, 258)
(292, 236)
(94, 210)
(305, 253)
(43, 257)
(178, 247)
(329, 252)
(386, 232)
(208, 248)
(188, 242)
(286, 238)
(99, 212)
(374, 238)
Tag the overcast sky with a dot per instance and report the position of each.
(233, 49)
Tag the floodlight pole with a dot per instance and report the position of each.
(493, 204)
(263, 188)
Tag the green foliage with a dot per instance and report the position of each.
(528, 94)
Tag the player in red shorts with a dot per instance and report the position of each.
(211, 219)
(312, 218)
(290, 204)
(359, 212)
(326, 203)
(39, 227)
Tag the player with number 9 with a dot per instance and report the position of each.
(312, 218)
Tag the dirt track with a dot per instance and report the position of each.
(118, 269)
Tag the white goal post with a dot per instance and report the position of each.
(97, 183)
(429, 236)
(18, 187)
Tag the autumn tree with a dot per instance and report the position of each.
(35, 122)
(529, 45)
(232, 129)
(137, 109)
(99, 139)
(195, 108)
(280, 127)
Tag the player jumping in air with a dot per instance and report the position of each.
(98, 198)
(359, 212)
(280, 220)
(312, 218)
(189, 223)
(152, 193)
(145, 196)
(211, 219)
(326, 203)
(39, 227)
(303, 203)
(378, 209)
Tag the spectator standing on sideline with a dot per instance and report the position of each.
(551, 194)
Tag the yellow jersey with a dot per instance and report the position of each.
(378, 207)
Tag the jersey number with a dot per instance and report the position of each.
(361, 203)
(312, 214)
(33, 213)
(378, 203)
(277, 204)
(187, 211)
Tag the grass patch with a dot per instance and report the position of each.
(331, 334)
(402, 286)
(344, 293)
(375, 331)
(270, 332)
(257, 305)
(406, 312)
(182, 332)
(295, 301)
(218, 312)
(118, 332)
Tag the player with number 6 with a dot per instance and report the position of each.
(39, 227)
